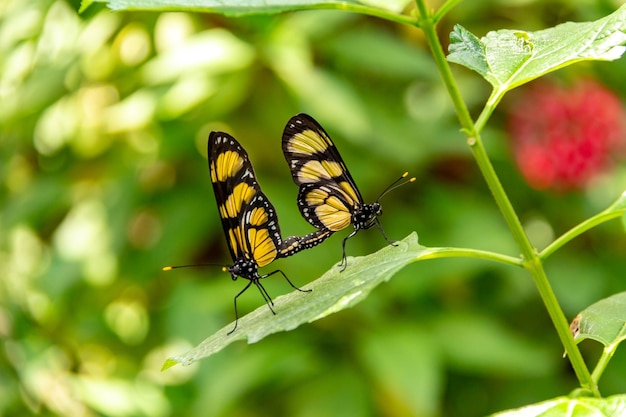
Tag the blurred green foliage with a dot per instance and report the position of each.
(103, 126)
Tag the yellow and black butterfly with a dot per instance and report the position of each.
(248, 218)
(328, 197)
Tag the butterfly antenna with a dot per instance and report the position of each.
(397, 183)
(169, 268)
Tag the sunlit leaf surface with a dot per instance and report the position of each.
(572, 407)
(245, 7)
(604, 321)
(332, 292)
(508, 58)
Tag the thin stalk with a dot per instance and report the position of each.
(444, 9)
(562, 326)
(490, 106)
(579, 229)
(429, 28)
(438, 253)
(532, 262)
(607, 354)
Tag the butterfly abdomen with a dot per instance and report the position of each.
(295, 244)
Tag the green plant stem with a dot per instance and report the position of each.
(429, 28)
(607, 354)
(438, 253)
(444, 9)
(532, 262)
(490, 106)
(579, 229)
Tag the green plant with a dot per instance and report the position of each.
(506, 59)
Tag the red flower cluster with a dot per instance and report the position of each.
(562, 138)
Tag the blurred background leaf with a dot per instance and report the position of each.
(103, 180)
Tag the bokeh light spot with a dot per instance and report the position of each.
(134, 112)
(22, 264)
(186, 94)
(84, 232)
(60, 30)
(539, 231)
(128, 319)
(101, 269)
(171, 30)
(55, 126)
(212, 52)
(134, 44)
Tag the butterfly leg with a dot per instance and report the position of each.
(344, 262)
(236, 312)
(290, 283)
(265, 294)
(380, 227)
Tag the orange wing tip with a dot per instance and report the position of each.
(167, 268)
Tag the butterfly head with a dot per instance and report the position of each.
(246, 268)
(365, 217)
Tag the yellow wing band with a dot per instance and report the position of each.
(226, 165)
(242, 192)
(307, 142)
(263, 247)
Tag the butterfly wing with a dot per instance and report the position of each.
(328, 195)
(248, 218)
(261, 231)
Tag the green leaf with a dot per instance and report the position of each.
(468, 50)
(603, 321)
(332, 292)
(572, 407)
(508, 58)
(248, 7)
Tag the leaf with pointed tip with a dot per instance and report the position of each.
(572, 407)
(508, 58)
(248, 7)
(332, 292)
(603, 321)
